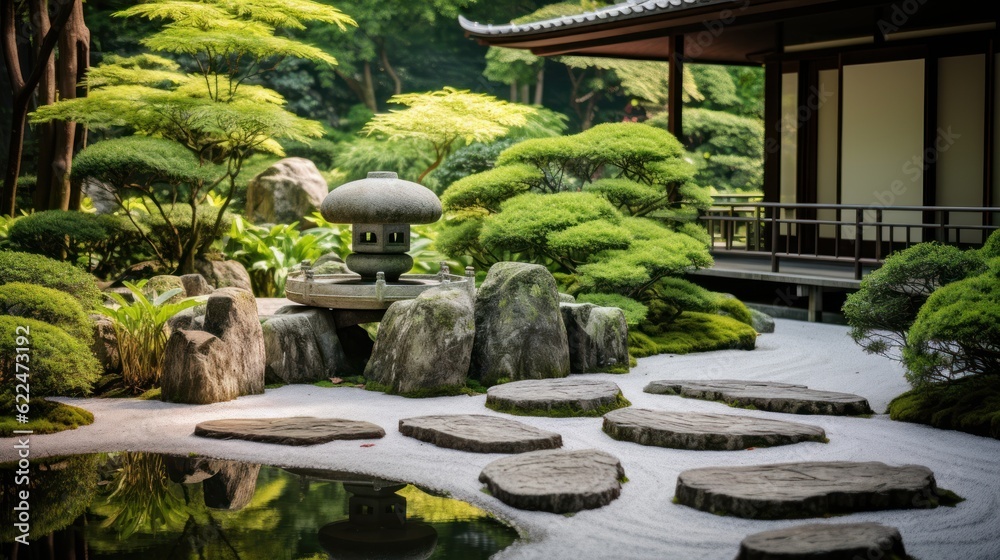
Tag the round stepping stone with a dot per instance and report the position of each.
(299, 430)
(848, 541)
(556, 397)
(479, 433)
(797, 490)
(719, 432)
(766, 395)
(555, 481)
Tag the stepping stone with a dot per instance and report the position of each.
(847, 541)
(766, 395)
(719, 432)
(798, 490)
(556, 397)
(479, 433)
(555, 481)
(299, 430)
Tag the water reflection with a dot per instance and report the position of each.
(149, 506)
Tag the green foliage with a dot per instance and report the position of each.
(48, 417)
(168, 227)
(140, 329)
(406, 157)
(440, 119)
(734, 308)
(694, 332)
(101, 244)
(43, 271)
(883, 310)
(134, 159)
(469, 160)
(957, 332)
(61, 365)
(48, 306)
(61, 486)
(270, 253)
(635, 312)
(970, 405)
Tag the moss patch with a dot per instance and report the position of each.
(693, 332)
(561, 411)
(48, 417)
(969, 405)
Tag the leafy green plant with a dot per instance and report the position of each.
(61, 365)
(140, 329)
(43, 271)
(47, 305)
(101, 244)
(142, 497)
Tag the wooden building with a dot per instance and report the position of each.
(880, 122)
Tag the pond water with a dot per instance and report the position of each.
(149, 506)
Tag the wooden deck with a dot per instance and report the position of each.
(803, 273)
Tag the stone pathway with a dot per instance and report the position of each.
(556, 397)
(798, 490)
(555, 481)
(824, 541)
(479, 433)
(299, 430)
(719, 432)
(773, 397)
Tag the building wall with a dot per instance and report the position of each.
(789, 140)
(826, 148)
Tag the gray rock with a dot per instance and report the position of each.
(328, 258)
(189, 470)
(690, 430)
(302, 346)
(300, 430)
(195, 285)
(824, 541)
(224, 274)
(519, 330)
(555, 481)
(566, 298)
(232, 486)
(761, 322)
(224, 361)
(479, 433)
(101, 194)
(556, 397)
(798, 490)
(190, 319)
(105, 344)
(597, 337)
(162, 284)
(286, 192)
(424, 345)
(765, 395)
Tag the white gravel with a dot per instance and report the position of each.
(643, 522)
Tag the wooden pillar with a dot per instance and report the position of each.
(772, 131)
(989, 132)
(675, 92)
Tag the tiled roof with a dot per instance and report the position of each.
(617, 12)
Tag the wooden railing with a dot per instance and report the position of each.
(851, 234)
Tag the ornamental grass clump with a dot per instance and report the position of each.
(140, 327)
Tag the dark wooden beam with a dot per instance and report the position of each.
(930, 155)
(675, 93)
(772, 131)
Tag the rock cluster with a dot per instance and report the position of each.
(286, 192)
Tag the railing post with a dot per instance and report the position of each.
(858, 238)
(878, 234)
(775, 235)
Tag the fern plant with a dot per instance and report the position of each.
(140, 326)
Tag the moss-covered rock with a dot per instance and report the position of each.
(48, 417)
(598, 338)
(424, 345)
(970, 405)
(61, 365)
(164, 283)
(694, 332)
(519, 329)
(761, 322)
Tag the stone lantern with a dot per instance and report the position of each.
(380, 209)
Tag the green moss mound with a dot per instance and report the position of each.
(60, 364)
(36, 269)
(48, 417)
(562, 411)
(969, 405)
(47, 305)
(694, 332)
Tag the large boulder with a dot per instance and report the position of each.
(105, 344)
(164, 283)
(519, 329)
(196, 285)
(598, 338)
(302, 346)
(224, 274)
(424, 345)
(224, 361)
(761, 322)
(285, 192)
(101, 195)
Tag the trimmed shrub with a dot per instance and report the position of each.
(101, 244)
(171, 245)
(43, 271)
(47, 305)
(970, 405)
(60, 364)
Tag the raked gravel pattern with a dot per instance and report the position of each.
(642, 522)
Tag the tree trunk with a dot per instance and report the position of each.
(369, 88)
(46, 96)
(397, 84)
(74, 59)
(513, 91)
(539, 85)
(525, 93)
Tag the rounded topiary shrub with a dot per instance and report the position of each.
(99, 243)
(36, 269)
(60, 365)
(46, 305)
